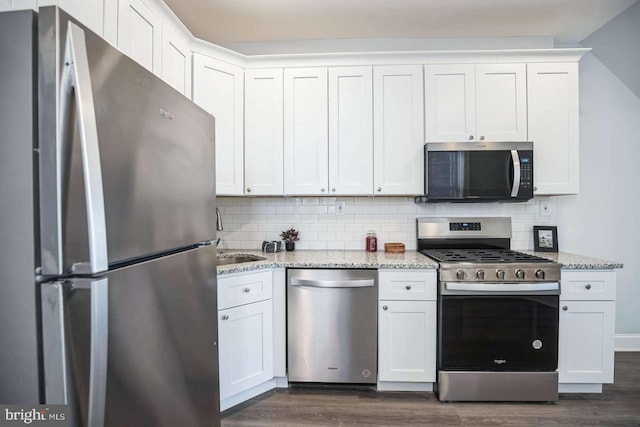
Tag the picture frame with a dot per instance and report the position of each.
(545, 238)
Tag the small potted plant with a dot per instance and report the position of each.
(290, 236)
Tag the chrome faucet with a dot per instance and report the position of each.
(219, 226)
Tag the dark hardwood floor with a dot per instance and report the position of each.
(618, 405)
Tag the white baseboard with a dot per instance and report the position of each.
(627, 342)
(236, 399)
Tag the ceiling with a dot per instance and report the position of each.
(233, 22)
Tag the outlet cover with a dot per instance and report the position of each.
(546, 208)
(340, 207)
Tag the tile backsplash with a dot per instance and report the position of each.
(248, 220)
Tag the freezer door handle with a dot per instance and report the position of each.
(76, 82)
(59, 381)
(99, 350)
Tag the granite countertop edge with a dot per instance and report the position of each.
(381, 260)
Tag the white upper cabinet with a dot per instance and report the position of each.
(553, 126)
(501, 103)
(140, 34)
(176, 59)
(218, 88)
(450, 102)
(398, 130)
(89, 12)
(263, 132)
(306, 162)
(482, 102)
(350, 130)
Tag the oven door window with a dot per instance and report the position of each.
(498, 333)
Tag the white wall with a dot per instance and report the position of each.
(602, 220)
(249, 221)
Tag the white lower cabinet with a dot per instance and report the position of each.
(245, 336)
(407, 341)
(246, 347)
(406, 328)
(586, 341)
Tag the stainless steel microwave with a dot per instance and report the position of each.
(478, 171)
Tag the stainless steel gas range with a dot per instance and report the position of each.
(497, 312)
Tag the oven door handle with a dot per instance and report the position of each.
(546, 288)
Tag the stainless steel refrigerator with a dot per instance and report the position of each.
(108, 271)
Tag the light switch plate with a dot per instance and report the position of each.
(546, 208)
(340, 207)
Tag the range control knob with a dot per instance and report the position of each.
(500, 274)
(460, 274)
(520, 274)
(480, 274)
(540, 274)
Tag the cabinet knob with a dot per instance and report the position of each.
(535, 188)
(588, 286)
(384, 307)
(322, 189)
(333, 189)
(565, 308)
(408, 287)
(225, 317)
(482, 138)
(248, 189)
(379, 189)
(470, 137)
(246, 290)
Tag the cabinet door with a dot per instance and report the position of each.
(89, 12)
(139, 34)
(501, 104)
(306, 154)
(246, 347)
(553, 126)
(264, 135)
(351, 130)
(176, 60)
(450, 102)
(586, 342)
(218, 88)
(398, 130)
(407, 341)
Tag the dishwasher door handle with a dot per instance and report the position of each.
(350, 283)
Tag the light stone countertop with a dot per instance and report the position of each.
(577, 262)
(381, 259)
(328, 259)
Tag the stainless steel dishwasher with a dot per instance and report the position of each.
(332, 326)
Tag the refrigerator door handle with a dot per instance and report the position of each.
(76, 81)
(59, 381)
(99, 350)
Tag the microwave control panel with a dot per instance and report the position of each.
(526, 172)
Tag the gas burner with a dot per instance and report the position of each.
(493, 256)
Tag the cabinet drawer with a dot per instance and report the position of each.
(244, 289)
(585, 285)
(414, 285)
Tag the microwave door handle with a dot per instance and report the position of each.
(516, 173)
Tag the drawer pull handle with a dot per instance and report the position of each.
(408, 287)
(246, 290)
(565, 308)
(384, 307)
(588, 286)
(225, 317)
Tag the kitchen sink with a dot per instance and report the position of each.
(237, 259)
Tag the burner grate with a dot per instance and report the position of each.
(495, 256)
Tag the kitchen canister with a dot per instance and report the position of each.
(371, 242)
